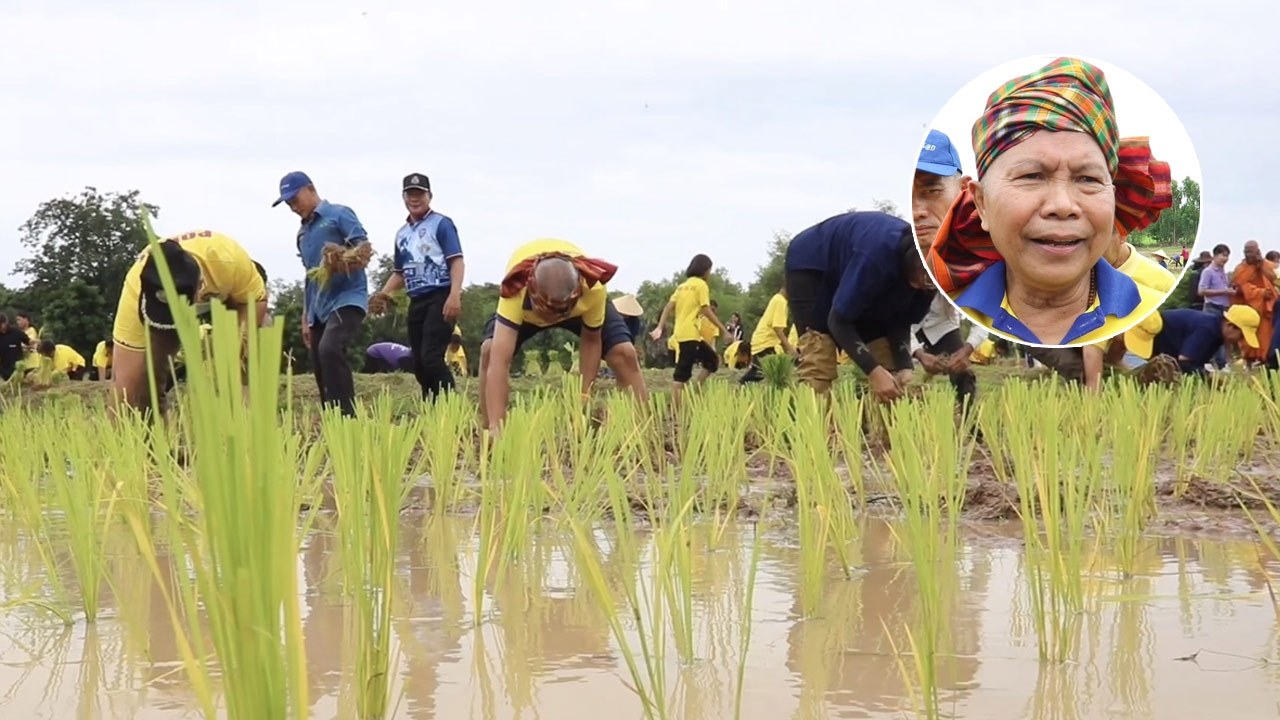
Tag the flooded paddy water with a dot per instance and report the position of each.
(1192, 634)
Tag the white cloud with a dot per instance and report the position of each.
(644, 131)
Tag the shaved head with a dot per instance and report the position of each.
(556, 279)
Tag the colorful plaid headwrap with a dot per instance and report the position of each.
(1065, 95)
(592, 271)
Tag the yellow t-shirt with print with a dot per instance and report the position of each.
(101, 358)
(33, 347)
(66, 359)
(774, 319)
(515, 311)
(227, 274)
(690, 298)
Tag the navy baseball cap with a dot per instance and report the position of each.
(291, 185)
(938, 156)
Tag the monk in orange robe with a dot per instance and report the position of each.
(1255, 283)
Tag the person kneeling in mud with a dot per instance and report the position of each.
(1185, 340)
(552, 284)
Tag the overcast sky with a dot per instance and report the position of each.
(643, 131)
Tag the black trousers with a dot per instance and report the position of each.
(965, 383)
(754, 373)
(329, 343)
(803, 289)
(429, 335)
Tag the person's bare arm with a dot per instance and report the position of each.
(662, 320)
(394, 283)
(453, 304)
(1092, 367)
(592, 350)
(498, 377)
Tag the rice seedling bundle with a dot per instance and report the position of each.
(243, 543)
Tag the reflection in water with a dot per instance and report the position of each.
(544, 647)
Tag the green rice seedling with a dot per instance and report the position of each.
(824, 510)
(372, 456)
(674, 575)
(645, 664)
(86, 499)
(746, 621)
(848, 411)
(1136, 432)
(244, 554)
(512, 491)
(446, 448)
(929, 465)
(1181, 420)
(1051, 461)
(1231, 416)
(779, 371)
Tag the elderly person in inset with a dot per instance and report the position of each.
(1023, 249)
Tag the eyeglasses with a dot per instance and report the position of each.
(556, 309)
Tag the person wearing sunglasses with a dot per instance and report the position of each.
(553, 284)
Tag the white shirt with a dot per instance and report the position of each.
(942, 319)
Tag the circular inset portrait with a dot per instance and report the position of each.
(1055, 201)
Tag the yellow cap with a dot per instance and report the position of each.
(1247, 319)
(1141, 338)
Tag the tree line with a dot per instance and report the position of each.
(79, 248)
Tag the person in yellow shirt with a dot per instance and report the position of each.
(553, 284)
(66, 361)
(33, 339)
(738, 355)
(709, 333)
(455, 356)
(770, 336)
(205, 266)
(691, 304)
(102, 361)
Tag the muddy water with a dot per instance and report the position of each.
(544, 649)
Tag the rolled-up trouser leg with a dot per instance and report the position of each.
(817, 361)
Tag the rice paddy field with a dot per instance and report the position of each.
(753, 553)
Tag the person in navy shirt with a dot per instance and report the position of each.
(1192, 337)
(333, 315)
(853, 279)
(428, 265)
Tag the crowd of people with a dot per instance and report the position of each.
(1034, 249)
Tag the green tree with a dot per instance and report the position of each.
(1178, 224)
(79, 250)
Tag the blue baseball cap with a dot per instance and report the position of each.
(291, 185)
(938, 156)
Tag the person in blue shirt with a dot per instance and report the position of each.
(333, 315)
(429, 266)
(1192, 337)
(853, 279)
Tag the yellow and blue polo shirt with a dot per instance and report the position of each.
(1120, 303)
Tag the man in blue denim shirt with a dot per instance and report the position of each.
(428, 265)
(331, 316)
